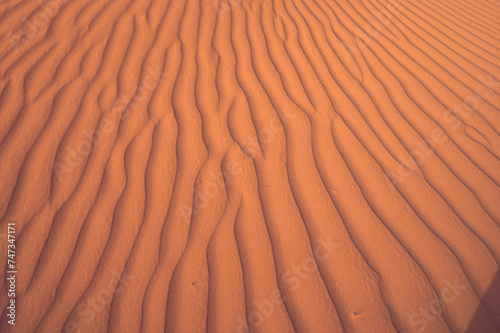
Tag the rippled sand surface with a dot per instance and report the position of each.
(251, 165)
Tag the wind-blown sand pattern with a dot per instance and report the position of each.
(251, 165)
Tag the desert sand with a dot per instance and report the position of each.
(250, 166)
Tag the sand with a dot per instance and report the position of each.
(250, 165)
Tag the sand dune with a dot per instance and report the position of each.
(250, 165)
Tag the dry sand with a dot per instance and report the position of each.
(250, 165)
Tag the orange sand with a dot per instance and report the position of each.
(251, 165)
